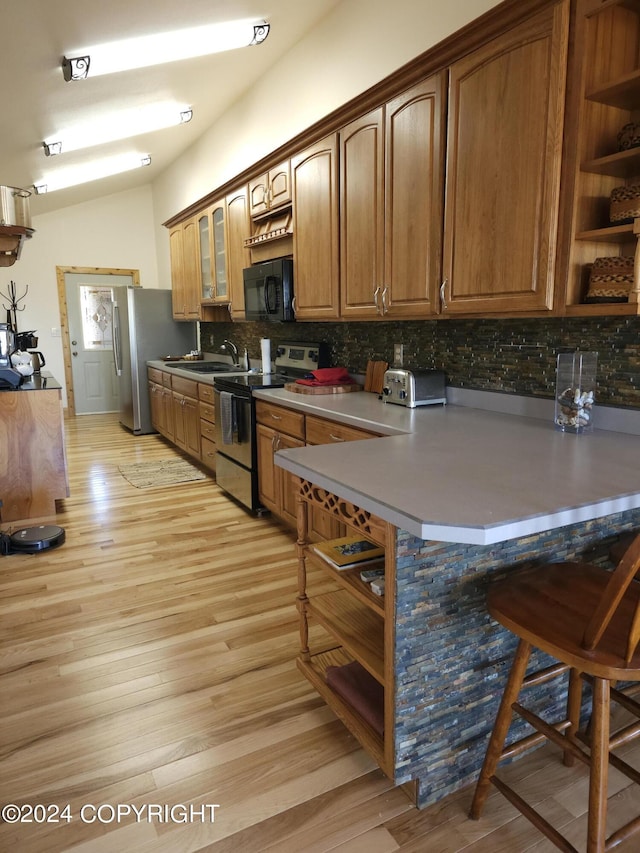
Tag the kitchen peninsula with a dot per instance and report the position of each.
(33, 465)
(458, 496)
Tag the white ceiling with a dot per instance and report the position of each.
(37, 102)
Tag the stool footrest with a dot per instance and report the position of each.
(535, 817)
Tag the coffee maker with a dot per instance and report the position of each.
(9, 378)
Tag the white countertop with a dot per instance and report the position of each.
(459, 474)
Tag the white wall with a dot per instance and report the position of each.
(113, 232)
(360, 43)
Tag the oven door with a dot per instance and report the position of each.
(233, 427)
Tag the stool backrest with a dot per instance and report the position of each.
(621, 578)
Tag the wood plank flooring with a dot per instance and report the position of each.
(149, 662)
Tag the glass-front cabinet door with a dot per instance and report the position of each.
(221, 293)
(206, 271)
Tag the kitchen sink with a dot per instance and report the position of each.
(206, 366)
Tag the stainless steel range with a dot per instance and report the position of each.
(235, 427)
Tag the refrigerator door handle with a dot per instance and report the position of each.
(117, 342)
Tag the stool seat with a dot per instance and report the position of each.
(541, 606)
(588, 620)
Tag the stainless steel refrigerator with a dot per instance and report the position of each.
(143, 330)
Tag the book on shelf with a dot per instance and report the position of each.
(372, 574)
(349, 551)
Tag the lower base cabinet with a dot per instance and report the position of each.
(280, 428)
(207, 426)
(182, 411)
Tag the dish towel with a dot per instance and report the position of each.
(227, 420)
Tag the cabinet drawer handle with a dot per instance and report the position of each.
(276, 417)
(375, 298)
(336, 437)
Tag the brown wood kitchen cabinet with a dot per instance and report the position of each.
(504, 141)
(207, 425)
(270, 190)
(359, 623)
(606, 67)
(316, 264)
(238, 255)
(161, 402)
(391, 202)
(186, 414)
(277, 428)
(185, 273)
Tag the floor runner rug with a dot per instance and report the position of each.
(163, 472)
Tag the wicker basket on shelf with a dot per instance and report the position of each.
(625, 204)
(610, 280)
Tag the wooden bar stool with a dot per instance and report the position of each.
(588, 620)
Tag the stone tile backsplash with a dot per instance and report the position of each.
(515, 356)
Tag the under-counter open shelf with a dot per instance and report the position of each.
(356, 627)
(350, 580)
(315, 670)
(360, 623)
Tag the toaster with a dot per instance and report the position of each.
(413, 388)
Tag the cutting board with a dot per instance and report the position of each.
(374, 378)
(321, 389)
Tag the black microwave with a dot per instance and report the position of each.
(268, 290)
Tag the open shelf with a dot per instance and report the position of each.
(356, 627)
(612, 234)
(621, 164)
(623, 93)
(315, 671)
(350, 579)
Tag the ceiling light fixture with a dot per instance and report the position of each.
(121, 125)
(160, 48)
(74, 175)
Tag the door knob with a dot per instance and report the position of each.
(74, 343)
(74, 353)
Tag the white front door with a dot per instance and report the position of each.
(89, 314)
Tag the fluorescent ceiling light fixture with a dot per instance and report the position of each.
(163, 47)
(74, 175)
(121, 125)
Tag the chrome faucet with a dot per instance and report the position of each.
(229, 345)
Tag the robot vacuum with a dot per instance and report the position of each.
(32, 539)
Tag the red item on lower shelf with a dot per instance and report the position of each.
(365, 695)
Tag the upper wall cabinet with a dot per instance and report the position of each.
(505, 125)
(606, 67)
(316, 266)
(270, 191)
(238, 255)
(391, 200)
(185, 273)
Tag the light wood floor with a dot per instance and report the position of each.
(149, 661)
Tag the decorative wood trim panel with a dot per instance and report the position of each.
(372, 526)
